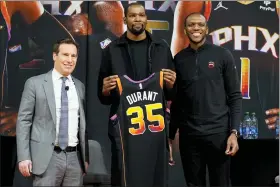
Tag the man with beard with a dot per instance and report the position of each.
(207, 107)
(136, 54)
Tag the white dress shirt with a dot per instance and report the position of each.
(73, 107)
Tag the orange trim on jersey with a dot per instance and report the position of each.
(161, 79)
(6, 15)
(119, 86)
(208, 8)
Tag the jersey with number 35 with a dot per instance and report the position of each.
(141, 104)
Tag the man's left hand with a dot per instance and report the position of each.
(86, 168)
(170, 77)
(232, 145)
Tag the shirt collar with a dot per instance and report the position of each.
(57, 75)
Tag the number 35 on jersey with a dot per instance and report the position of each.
(141, 107)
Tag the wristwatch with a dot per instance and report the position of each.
(235, 132)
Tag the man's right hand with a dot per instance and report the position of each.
(109, 83)
(25, 168)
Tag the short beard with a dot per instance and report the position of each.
(136, 32)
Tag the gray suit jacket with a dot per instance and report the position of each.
(36, 123)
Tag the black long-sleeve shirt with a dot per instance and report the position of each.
(208, 97)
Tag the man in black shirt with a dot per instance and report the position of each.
(139, 54)
(207, 107)
(136, 54)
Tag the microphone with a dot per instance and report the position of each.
(66, 88)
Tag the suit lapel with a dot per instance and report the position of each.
(48, 87)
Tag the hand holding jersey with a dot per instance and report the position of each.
(109, 83)
(169, 77)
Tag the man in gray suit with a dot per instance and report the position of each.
(51, 134)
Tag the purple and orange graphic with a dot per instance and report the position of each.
(245, 77)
